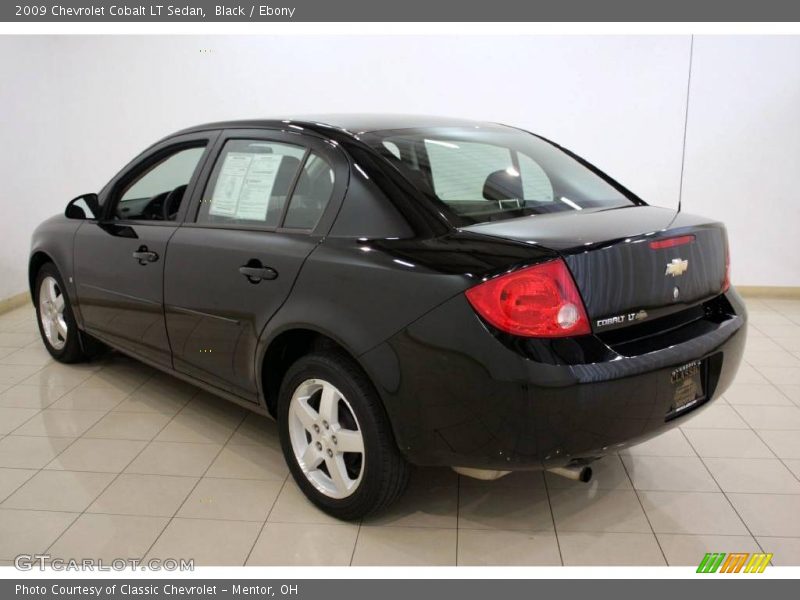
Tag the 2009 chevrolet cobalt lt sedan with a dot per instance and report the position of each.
(395, 291)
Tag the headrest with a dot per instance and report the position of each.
(502, 185)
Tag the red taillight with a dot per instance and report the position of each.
(537, 301)
(671, 242)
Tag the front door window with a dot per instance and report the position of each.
(157, 193)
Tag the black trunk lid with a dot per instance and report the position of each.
(622, 278)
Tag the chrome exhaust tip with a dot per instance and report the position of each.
(575, 472)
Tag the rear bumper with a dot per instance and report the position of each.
(458, 396)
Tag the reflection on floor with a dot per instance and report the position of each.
(116, 460)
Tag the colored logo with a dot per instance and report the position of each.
(735, 562)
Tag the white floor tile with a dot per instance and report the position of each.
(786, 550)
(585, 549)
(753, 475)
(691, 512)
(716, 416)
(769, 514)
(598, 511)
(771, 417)
(688, 550)
(670, 443)
(423, 546)
(30, 531)
(304, 544)
(68, 491)
(669, 473)
(208, 543)
(756, 393)
(481, 547)
(727, 443)
(728, 471)
(108, 537)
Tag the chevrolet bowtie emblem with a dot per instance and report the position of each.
(677, 266)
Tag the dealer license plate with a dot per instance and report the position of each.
(687, 386)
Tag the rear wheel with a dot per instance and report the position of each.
(336, 437)
(57, 325)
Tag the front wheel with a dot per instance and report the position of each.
(336, 437)
(57, 324)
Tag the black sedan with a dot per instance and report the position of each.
(395, 291)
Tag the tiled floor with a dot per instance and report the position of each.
(116, 460)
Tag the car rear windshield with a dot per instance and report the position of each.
(494, 173)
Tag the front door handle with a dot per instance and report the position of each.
(255, 271)
(144, 256)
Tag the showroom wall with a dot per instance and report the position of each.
(743, 151)
(75, 109)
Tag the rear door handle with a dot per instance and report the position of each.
(255, 272)
(144, 256)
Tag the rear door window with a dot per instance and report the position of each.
(311, 195)
(251, 183)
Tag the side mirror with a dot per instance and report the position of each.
(86, 206)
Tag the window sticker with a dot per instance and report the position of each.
(244, 185)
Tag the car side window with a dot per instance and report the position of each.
(250, 183)
(311, 195)
(157, 193)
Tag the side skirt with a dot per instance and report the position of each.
(255, 407)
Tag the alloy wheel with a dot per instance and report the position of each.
(51, 312)
(326, 438)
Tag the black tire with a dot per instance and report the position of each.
(78, 346)
(385, 472)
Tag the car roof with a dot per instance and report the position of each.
(354, 124)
